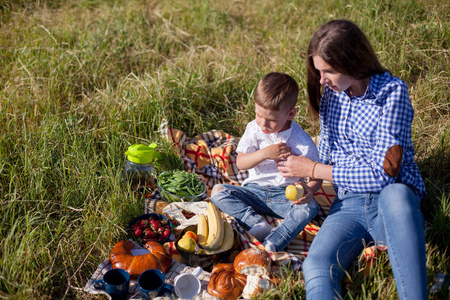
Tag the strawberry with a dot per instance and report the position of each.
(155, 224)
(141, 224)
(166, 233)
(138, 232)
(150, 234)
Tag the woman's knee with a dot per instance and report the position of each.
(396, 198)
(396, 190)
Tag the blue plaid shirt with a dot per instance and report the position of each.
(356, 133)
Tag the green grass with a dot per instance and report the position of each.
(82, 80)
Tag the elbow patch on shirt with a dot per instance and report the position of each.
(393, 160)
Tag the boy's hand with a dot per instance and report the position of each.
(308, 195)
(277, 152)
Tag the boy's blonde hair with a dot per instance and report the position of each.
(276, 91)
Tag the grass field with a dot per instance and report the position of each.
(81, 80)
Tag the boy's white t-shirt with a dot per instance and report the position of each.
(266, 172)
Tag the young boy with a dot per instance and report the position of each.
(267, 141)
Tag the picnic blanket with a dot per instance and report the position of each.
(213, 155)
(245, 240)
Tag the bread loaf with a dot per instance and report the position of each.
(256, 265)
(253, 261)
(121, 258)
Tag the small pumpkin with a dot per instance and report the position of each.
(122, 258)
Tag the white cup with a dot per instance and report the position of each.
(187, 285)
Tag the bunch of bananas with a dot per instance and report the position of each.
(213, 233)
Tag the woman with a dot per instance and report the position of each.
(366, 150)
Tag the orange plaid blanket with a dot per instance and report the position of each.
(213, 156)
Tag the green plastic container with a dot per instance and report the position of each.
(138, 169)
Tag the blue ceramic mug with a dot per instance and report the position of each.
(152, 284)
(115, 282)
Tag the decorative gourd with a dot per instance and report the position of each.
(122, 258)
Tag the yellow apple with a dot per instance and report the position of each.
(294, 192)
(187, 244)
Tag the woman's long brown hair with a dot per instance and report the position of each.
(342, 45)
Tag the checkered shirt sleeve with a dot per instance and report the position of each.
(356, 133)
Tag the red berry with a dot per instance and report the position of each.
(155, 225)
(166, 233)
(138, 232)
(150, 234)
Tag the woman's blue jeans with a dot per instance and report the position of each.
(392, 218)
(247, 203)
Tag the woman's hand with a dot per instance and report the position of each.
(296, 166)
(301, 166)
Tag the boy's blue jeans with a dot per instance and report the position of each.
(392, 218)
(247, 203)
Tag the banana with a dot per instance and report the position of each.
(215, 228)
(202, 230)
(228, 240)
(228, 237)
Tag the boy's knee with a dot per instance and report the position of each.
(217, 188)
